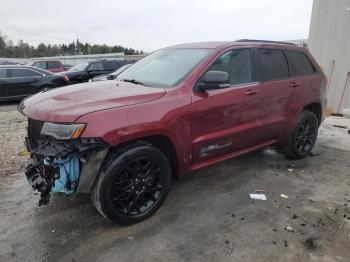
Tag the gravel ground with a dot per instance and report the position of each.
(12, 131)
(208, 215)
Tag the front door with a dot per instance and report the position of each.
(226, 120)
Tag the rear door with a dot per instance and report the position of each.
(305, 81)
(224, 120)
(275, 90)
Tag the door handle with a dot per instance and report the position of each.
(293, 84)
(250, 92)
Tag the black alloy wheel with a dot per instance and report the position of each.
(137, 187)
(303, 137)
(132, 183)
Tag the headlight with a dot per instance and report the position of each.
(62, 131)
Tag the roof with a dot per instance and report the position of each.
(210, 45)
(223, 44)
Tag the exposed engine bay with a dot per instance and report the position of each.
(56, 165)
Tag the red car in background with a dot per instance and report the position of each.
(54, 66)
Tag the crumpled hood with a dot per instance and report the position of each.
(67, 103)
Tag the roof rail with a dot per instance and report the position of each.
(264, 41)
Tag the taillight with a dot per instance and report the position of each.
(65, 78)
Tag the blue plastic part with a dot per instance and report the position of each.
(69, 173)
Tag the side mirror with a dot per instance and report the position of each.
(214, 80)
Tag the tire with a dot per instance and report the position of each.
(132, 184)
(304, 136)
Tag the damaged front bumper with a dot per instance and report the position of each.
(63, 166)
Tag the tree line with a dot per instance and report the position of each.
(24, 50)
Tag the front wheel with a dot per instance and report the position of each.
(303, 137)
(132, 184)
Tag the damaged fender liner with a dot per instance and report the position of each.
(57, 165)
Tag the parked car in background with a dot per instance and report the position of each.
(112, 75)
(54, 66)
(178, 109)
(17, 82)
(86, 71)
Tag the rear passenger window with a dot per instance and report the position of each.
(273, 64)
(299, 64)
(237, 63)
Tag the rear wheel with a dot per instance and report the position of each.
(132, 184)
(304, 136)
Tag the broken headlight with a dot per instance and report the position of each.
(62, 131)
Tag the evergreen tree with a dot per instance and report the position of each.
(24, 50)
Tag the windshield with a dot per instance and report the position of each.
(79, 67)
(165, 68)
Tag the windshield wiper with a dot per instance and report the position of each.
(134, 81)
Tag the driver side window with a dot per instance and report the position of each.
(237, 63)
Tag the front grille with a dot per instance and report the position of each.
(34, 129)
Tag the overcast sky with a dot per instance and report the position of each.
(153, 24)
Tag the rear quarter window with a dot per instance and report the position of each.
(273, 64)
(299, 64)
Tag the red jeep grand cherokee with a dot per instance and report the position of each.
(178, 109)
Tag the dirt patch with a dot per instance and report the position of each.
(12, 133)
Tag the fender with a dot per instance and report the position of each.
(169, 116)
